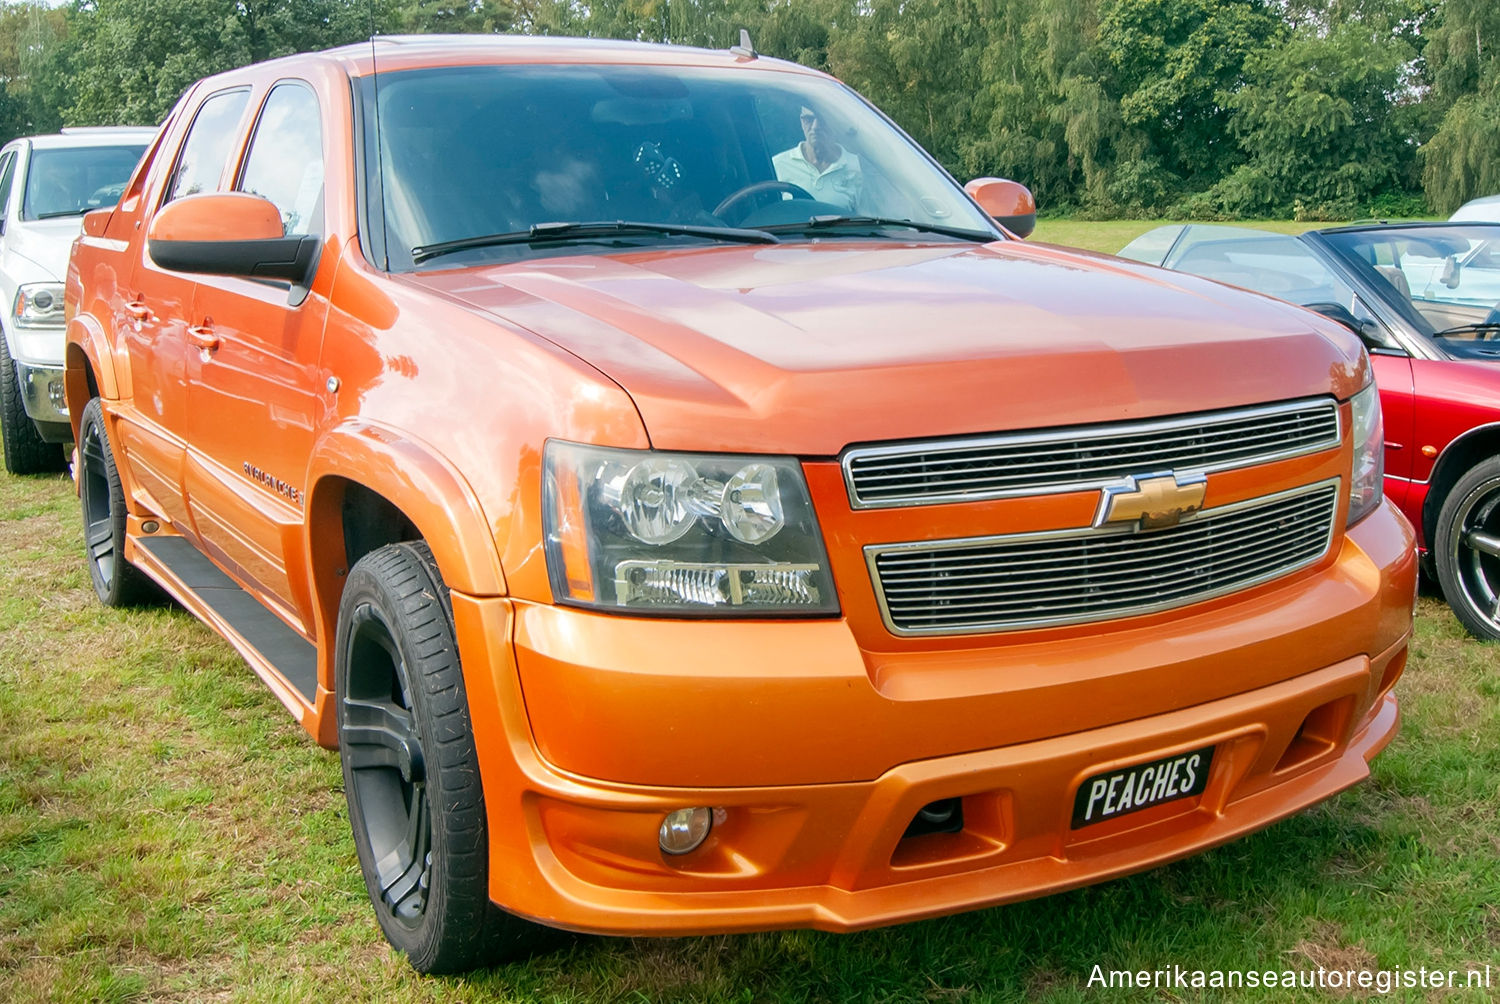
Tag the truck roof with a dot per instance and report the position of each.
(399, 52)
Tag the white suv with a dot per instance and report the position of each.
(47, 183)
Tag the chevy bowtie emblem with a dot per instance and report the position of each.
(1152, 501)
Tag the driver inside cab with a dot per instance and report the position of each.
(819, 165)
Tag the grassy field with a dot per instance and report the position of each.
(1111, 235)
(167, 833)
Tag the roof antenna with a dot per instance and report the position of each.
(744, 51)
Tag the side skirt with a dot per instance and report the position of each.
(286, 661)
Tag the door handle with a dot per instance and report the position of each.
(203, 336)
(138, 310)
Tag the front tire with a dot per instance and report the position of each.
(411, 775)
(1466, 549)
(117, 582)
(25, 450)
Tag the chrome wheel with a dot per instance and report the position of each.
(1467, 550)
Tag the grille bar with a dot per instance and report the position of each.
(1076, 576)
(988, 467)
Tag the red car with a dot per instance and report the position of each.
(1425, 297)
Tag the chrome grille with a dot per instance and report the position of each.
(974, 468)
(1075, 576)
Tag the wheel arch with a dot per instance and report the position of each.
(88, 367)
(1461, 454)
(370, 486)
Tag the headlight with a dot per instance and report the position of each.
(682, 532)
(1367, 477)
(39, 305)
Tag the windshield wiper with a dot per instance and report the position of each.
(59, 213)
(1463, 329)
(880, 223)
(541, 233)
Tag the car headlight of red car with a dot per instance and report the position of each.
(1365, 480)
(682, 532)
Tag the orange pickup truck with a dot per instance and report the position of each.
(687, 510)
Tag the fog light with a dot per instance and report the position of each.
(684, 829)
(57, 395)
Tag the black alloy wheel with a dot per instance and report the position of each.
(1466, 549)
(117, 582)
(411, 775)
(378, 736)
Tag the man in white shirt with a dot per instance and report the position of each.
(820, 165)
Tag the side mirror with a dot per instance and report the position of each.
(229, 233)
(1368, 330)
(1009, 202)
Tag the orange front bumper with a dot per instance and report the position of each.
(581, 852)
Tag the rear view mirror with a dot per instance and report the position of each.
(229, 233)
(1452, 272)
(1009, 202)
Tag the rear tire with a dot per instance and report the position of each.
(411, 775)
(117, 582)
(25, 450)
(1466, 549)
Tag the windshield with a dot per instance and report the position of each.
(68, 181)
(1446, 277)
(472, 151)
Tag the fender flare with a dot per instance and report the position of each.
(87, 335)
(420, 482)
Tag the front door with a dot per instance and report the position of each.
(254, 399)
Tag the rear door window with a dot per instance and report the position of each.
(204, 154)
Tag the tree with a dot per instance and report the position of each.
(29, 32)
(1463, 56)
(1176, 65)
(1316, 125)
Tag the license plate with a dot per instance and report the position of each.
(1131, 789)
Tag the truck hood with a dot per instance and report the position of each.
(44, 243)
(805, 349)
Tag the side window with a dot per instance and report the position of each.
(7, 175)
(285, 162)
(206, 149)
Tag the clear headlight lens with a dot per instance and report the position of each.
(1366, 480)
(682, 532)
(39, 305)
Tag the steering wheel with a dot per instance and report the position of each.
(757, 188)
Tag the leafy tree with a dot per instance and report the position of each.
(1176, 65)
(29, 32)
(1463, 56)
(1316, 127)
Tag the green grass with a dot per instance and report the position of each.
(168, 833)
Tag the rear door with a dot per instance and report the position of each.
(152, 319)
(255, 394)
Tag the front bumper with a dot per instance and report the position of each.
(580, 852)
(42, 396)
